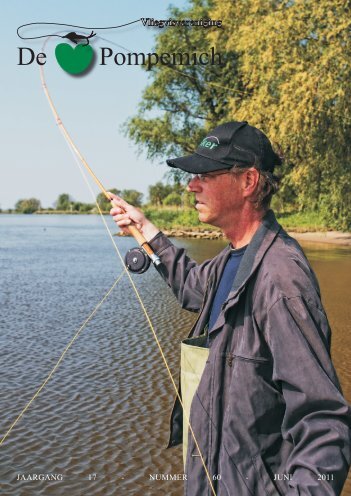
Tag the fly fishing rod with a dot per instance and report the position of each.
(137, 259)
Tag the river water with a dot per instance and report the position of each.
(102, 419)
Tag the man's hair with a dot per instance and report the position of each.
(267, 186)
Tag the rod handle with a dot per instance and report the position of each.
(137, 235)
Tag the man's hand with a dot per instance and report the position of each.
(125, 214)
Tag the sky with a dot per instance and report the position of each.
(35, 160)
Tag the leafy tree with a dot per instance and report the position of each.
(158, 192)
(132, 196)
(286, 70)
(185, 104)
(63, 202)
(28, 206)
(103, 202)
(294, 63)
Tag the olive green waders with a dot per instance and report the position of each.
(193, 356)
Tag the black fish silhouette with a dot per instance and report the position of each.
(74, 37)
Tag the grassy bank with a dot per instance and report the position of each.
(176, 218)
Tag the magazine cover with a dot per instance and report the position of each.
(175, 248)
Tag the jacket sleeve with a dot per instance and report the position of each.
(186, 278)
(317, 417)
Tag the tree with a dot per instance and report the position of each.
(185, 101)
(294, 63)
(158, 192)
(132, 196)
(103, 202)
(173, 199)
(28, 206)
(286, 70)
(63, 202)
(82, 207)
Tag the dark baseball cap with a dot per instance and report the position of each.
(232, 143)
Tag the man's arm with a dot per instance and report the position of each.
(317, 417)
(184, 276)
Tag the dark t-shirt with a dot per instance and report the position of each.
(225, 284)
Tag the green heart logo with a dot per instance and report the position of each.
(74, 60)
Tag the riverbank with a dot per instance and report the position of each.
(328, 237)
(184, 223)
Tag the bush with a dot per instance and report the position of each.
(28, 206)
(173, 199)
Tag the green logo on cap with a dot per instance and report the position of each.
(205, 143)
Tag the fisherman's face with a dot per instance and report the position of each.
(219, 196)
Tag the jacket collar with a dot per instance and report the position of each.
(254, 253)
(259, 244)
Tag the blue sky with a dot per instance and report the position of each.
(35, 160)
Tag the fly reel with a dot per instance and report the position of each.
(137, 261)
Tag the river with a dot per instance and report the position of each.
(101, 422)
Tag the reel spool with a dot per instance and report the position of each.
(137, 261)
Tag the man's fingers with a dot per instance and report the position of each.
(117, 200)
(116, 210)
(122, 219)
(123, 222)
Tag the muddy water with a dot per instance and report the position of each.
(101, 422)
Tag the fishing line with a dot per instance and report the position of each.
(67, 25)
(144, 311)
(60, 359)
(74, 149)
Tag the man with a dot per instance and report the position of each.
(268, 415)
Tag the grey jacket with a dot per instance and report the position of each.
(269, 414)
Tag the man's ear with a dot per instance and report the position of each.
(250, 180)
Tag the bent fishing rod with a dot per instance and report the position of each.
(135, 259)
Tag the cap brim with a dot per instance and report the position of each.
(196, 164)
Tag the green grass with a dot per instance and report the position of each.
(173, 217)
(187, 218)
(302, 221)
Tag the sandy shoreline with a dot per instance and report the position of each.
(329, 237)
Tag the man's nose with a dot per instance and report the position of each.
(193, 185)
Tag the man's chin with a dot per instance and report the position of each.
(205, 218)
